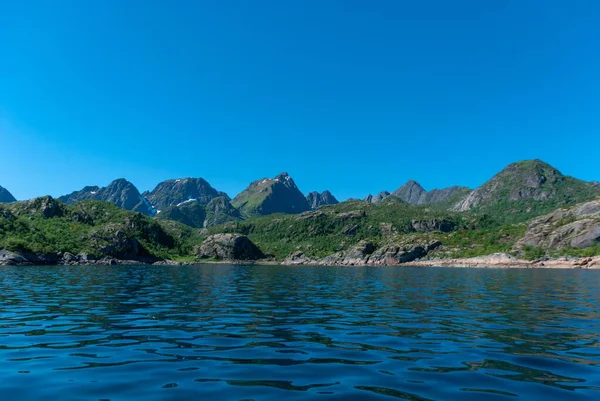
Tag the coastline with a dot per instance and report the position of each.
(498, 260)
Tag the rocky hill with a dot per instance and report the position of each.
(177, 192)
(271, 195)
(119, 192)
(6, 196)
(46, 231)
(526, 189)
(315, 199)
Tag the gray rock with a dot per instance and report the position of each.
(365, 253)
(411, 192)
(377, 198)
(577, 227)
(229, 247)
(297, 258)
(429, 225)
(316, 200)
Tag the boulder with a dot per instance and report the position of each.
(229, 247)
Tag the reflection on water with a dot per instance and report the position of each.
(267, 333)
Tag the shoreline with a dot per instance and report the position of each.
(503, 261)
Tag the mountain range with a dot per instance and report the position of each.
(529, 208)
(520, 191)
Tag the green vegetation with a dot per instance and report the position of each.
(97, 228)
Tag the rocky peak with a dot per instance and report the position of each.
(179, 191)
(271, 195)
(6, 196)
(316, 199)
(411, 192)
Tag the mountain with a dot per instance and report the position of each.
(316, 199)
(377, 198)
(119, 192)
(195, 214)
(271, 195)
(176, 192)
(410, 192)
(527, 189)
(6, 196)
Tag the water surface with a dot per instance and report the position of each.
(271, 333)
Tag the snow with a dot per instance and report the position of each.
(177, 180)
(93, 192)
(186, 202)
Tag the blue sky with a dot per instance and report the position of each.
(351, 96)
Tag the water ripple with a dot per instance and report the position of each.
(271, 333)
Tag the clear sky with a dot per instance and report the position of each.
(351, 96)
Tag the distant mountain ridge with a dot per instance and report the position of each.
(414, 194)
(316, 200)
(520, 191)
(119, 192)
(5, 196)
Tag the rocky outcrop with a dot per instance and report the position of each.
(357, 255)
(298, 258)
(315, 199)
(5, 196)
(271, 195)
(493, 260)
(119, 192)
(575, 227)
(366, 253)
(180, 191)
(228, 247)
(393, 254)
(45, 206)
(12, 258)
(428, 225)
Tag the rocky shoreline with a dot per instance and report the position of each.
(499, 260)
